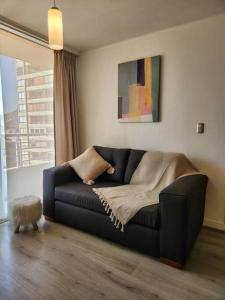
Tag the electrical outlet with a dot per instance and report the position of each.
(200, 128)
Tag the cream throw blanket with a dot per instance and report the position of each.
(155, 171)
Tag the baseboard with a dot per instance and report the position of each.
(214, 224)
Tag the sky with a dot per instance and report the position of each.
(8, 83)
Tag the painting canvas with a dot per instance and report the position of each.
(139, 90)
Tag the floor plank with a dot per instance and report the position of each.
(59, 262)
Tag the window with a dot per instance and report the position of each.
(25, 121)
(41, 93)
(20, 83)
(49, 78)
(21, 95)
(19, 70)
(40, 80)
(26, 117)
(45, 119)
(50, 131)
(22, 107)
(22, 119)
(43, 106)
(23, 130)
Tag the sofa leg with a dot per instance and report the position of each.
(49, 219)
(171, 263)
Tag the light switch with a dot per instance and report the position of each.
(200, 128)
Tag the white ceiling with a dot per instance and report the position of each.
(93, 23)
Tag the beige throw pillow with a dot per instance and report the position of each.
(89, 165)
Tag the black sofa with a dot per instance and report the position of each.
(167, 230)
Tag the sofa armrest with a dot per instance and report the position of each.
(181, 216)
(53, 177)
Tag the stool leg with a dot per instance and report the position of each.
(35, 227)
(17, 228)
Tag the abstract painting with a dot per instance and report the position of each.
(139, 90)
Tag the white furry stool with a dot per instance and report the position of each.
(25, 210)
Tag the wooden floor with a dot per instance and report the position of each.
(59, 262)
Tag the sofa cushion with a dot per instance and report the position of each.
(81, 195)
(89, 165)
(133, 161)
(118, 159)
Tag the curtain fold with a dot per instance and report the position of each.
(65, 107)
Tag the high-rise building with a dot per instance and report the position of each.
(29, 130)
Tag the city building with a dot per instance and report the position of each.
(29, 131)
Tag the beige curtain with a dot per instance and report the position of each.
(65, 107)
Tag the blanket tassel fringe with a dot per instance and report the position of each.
(108, 210)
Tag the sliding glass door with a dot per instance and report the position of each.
(27, 130)
(3, 172)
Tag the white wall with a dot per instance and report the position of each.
(193, 90)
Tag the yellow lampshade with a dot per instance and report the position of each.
(55, 29)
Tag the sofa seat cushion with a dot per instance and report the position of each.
(81, 195)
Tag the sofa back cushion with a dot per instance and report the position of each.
(118, 159)
(133, 161)
(89, 165)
